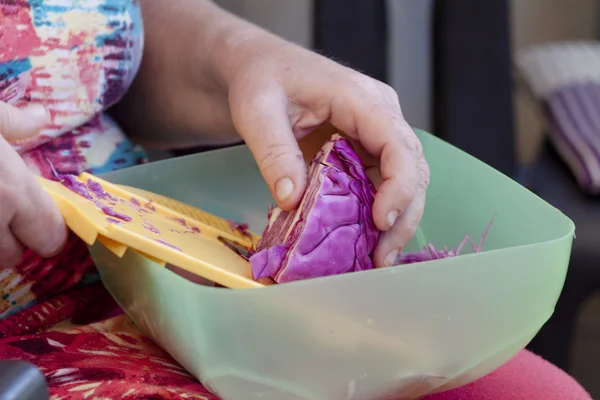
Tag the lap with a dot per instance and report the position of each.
(108, 360)
(82, 345)
(85, 357)
(525, 377)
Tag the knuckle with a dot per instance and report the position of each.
(385, 244)
(390, 94)
(48, 217)
(425, 173)
(404, 193)
(377, 91)
(411, 228)
(365, 85)
(245, 100)
(400, 235)
(404, 229)
(411, 142)
(277, 158)
(257, 100)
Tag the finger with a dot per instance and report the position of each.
(376, 121)
(263, 122)
(398, 178)
(20, 123)
(393, 241)
(11, 251)
(399, 183)
(38, 224)
(35, 220)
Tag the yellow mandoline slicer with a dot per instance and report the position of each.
(161, 229)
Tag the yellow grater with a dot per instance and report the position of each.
(162, 229)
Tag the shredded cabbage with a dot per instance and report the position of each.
(429, 252)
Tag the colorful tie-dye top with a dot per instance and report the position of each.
(77, 58)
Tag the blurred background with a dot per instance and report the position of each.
(469, 72)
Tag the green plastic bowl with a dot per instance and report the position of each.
(392, 333)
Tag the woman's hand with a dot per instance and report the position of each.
(206, 74)
(28, 217)
(279, 92)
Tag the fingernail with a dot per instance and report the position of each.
(390, 259)
(284, 188)
(37, 113)
(392, 217)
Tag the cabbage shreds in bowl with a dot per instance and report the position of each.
(429, 252)
(332, 231)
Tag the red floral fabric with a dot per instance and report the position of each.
(106, 360)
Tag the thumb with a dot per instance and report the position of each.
(21, 123)
(263, 123)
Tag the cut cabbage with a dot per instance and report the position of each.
(331, 232)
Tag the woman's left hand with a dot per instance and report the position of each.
(279, 92)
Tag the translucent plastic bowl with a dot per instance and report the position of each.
(395, 333)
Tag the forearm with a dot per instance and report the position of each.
(179, 97)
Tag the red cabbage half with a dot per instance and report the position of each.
(332, 231)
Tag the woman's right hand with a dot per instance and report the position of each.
(28, 216)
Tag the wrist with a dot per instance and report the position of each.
(236, 43)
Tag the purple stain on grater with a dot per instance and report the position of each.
(149, 206)
(162, 241)
(148, 226)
